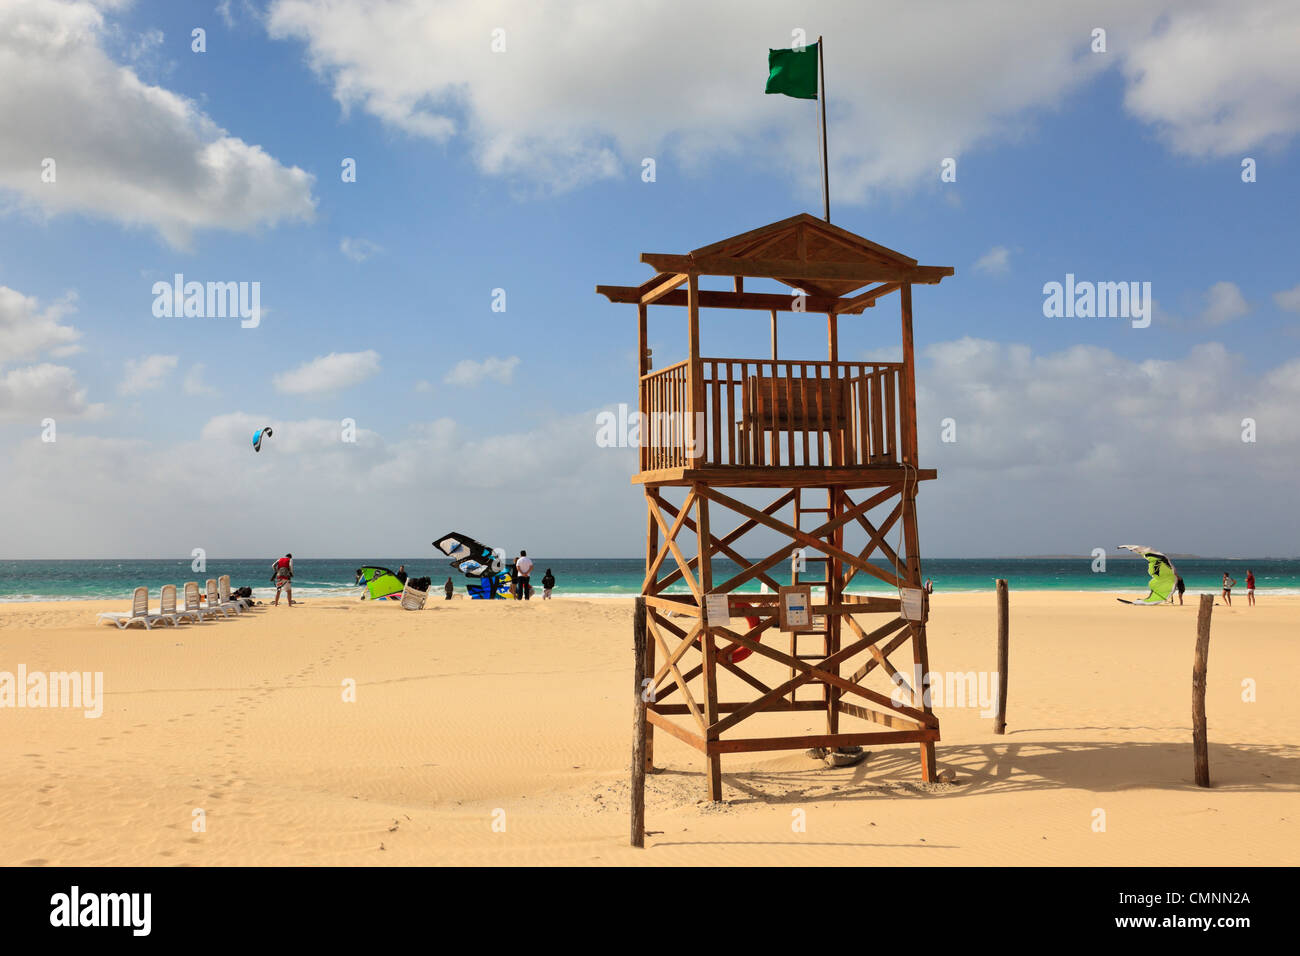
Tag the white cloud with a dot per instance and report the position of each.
(1217, 78)
(1082, 448)
(40, 391)
(1223, 303)
(26, 329)
(1288, 299)
(328, 373)
(124, 150)
(146, 374)
(567, 104)
(358, 250)
(194, 383)
(424, 386)
(468, 372)
(994, 262)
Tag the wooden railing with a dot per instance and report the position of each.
(763, 413)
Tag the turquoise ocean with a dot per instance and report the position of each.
(611, 577)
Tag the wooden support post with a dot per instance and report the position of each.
(1200, 742)
(1000, 721)
(834, 596)
(695, 376)
(907, 400)
(638, 723)
(774, 335)
(709, 644)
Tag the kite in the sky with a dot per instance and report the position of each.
(259, 436)
(1163, 575)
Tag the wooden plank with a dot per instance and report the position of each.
(877, 417)
(715, 388)
(793, 269)
(891, 414)
(865, 300)
(753, 476)
(681, 733)
(659, 289)
(726, 707)
(679, 605)
(876, 716)
(744, 301)
(897, 642)
(829, 741)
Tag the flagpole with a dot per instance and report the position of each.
(821, 95)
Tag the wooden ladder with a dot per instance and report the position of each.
(822, 515)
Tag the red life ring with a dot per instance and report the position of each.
(735, 653)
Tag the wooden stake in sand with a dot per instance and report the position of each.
(1201, 743)
(638, 726)
(1000, 721)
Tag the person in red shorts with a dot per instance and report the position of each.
(1250, 587)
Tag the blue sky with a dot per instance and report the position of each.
(1122, 165)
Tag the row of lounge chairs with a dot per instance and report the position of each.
(219, 602)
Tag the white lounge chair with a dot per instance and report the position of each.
(167, 606)
(193, 606)
(214, 600)
(139, 612)
(223, 593)
(413, 600)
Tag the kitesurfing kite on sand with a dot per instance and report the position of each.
(1162, 572)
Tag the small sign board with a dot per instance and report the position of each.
(716, 611)
(794, 613)
(913, 604)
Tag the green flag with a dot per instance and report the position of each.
(793, 72)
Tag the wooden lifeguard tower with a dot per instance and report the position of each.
(833, 442)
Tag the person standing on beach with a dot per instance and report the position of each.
(449, 588)
(523, 568)
(1228, 585)
(282, 572)
(401, 573)
(1180, 587)
(1250, 587)
(548, 583)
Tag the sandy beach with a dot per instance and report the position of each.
(500, 733)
